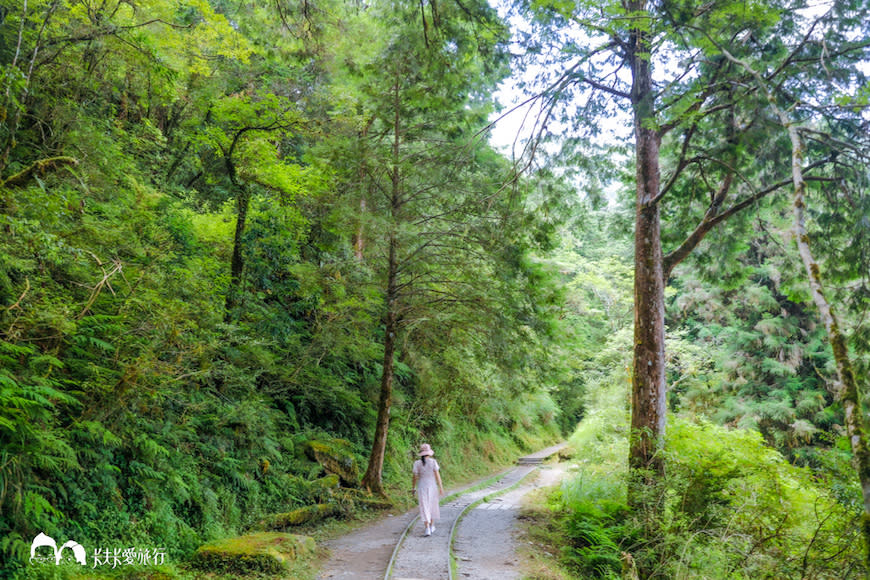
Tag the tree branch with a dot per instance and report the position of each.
(713, 219)
(37, 168)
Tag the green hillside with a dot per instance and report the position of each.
(253, 254)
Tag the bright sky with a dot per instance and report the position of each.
(512, 127)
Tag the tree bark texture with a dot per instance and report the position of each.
(373, 478)
(648, 401)
(648, 404)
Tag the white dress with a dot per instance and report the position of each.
(427, 489)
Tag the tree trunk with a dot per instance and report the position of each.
(847, 388)
(648, 406)
(648, 380)
(237, 264)
(359, 238)
(373, 478)
(37, 168)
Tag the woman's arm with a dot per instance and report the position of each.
(438, 479)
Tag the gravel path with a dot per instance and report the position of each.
(485, 545)
(364, 553)
(427, 557)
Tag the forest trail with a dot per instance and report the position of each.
(485, 544)
(482, 521)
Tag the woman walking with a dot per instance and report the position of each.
(427, 483)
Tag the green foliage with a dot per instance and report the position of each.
(752, 356)
(597, 531)
(595, 269)
(733, 508)
(131, 412)
(134, 410)
(730, 481)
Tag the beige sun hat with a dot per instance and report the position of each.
(425, 449)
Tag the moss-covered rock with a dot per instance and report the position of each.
(336, 457)
(269, 552)
(319, 490)
(323, 487)
(363, 499)
(300, 516)
(125, 574)
(567, 453)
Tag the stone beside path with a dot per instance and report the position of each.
(539, 457)
(269, 552)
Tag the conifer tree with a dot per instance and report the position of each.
(661, 62)
(426, 95)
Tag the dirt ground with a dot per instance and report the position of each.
(364, 553)
(485, 546)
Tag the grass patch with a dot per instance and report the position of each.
(540, 535)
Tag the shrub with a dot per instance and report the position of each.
(730, 507)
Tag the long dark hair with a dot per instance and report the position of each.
(423, 459)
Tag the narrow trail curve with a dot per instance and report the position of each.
(395, 548)
(485, 541)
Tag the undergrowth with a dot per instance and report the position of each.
(729, 508)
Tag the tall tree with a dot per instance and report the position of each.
(423, 97)
(243, 133)
(688, 104)
(847, 390)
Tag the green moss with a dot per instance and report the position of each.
(336, 458)
(120, 573)
(325, 486)
(301, 515)
(269, 552)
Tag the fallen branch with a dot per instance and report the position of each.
(40, 167)
(17, 305)
(116, 268)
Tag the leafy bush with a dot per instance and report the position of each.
(599, 532)
(729, 492)
(733, 508)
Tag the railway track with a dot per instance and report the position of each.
(416, 557)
